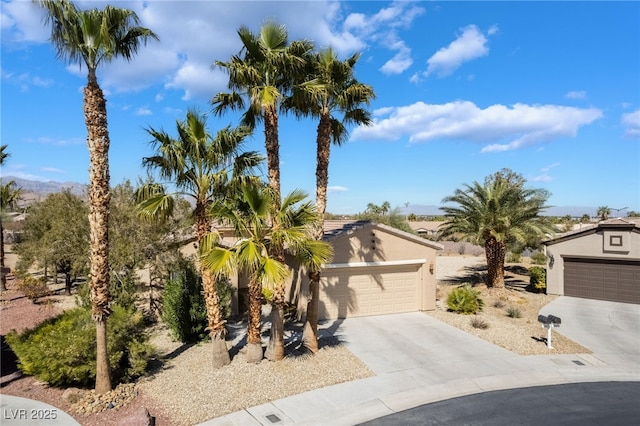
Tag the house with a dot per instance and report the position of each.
(597, 262)
(425, 228)
(376, 269)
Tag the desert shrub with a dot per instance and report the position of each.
(183, 306)
(465, 300)
(461, 248)
(539, 258)
(33, 287)
(513, 257)
(479, 323)
(62, 350)
(537, 278)
(514, 312)
(499, 304)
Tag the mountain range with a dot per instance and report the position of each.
(40, 187)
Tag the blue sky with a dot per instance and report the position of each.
(548, 89)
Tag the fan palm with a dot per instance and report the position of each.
(92, 37)
(204, 169)
(252, 218)
(603, 212)
(260, 76)
(328, 91)
(493, 214)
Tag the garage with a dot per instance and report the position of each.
(375, 270)
(602, 279)
(369, 291)
(601, 262)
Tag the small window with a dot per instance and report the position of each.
(615, 240)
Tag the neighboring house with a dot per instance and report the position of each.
(376, 269)
(598, 262)
(425, 228)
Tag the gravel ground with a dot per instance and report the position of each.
(183, 391)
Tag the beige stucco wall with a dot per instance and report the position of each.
(593, 245)
(369, 249)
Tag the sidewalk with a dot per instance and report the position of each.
(418, 359)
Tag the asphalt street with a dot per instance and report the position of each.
(578, 404)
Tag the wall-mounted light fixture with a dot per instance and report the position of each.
(431, 268)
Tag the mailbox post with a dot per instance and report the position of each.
(549, 322)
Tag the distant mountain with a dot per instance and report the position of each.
(49, 187)
(574, 211)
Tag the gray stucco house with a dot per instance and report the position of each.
(598, 262)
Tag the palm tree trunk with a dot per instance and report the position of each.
(323, 152)
(216, 323)
(95, 114)
(3, 277)
(254, 322)
(275, 348)
(495, 253)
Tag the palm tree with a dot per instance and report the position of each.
(260, 75)
(91, 37)
(495, 214)
(205, 169)
(251, 216)
(603, 212)
(328, 88)
(9, 196)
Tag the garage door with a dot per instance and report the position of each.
(372, 290)
(613, 280)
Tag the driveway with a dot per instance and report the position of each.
(419, 360)
(611, 330)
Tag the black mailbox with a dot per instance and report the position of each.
(543, 319)
(555, 320)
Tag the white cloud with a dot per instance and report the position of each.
(21, 21)
(631, 123)
(470, 44)
(499, 127)
(143, 111)
(337, 189)
(400, 62)
(577, 94)
(52, 170)
(549, 167)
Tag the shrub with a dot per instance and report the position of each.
(538, 278)
(33, 287)
(498, 304)
(513, 257)
(183, 306)
(479, 323)
(465, 300)
(62, 350)
(539, 258)
(514, 313)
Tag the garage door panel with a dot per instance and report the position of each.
(602, 279)
(368, 291)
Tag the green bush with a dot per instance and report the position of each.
(183, 306)
(62, 350)
(539, 258)
(538, 278)
(465, 300)
(32, 287)
(514, 312)
(513, 257)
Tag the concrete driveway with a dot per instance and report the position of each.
(419, 360)
(611, 330)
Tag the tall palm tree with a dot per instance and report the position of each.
(329, 92)
(92, 37)
(251, 216)
(495, 214)
(205, 169)
(260, 75)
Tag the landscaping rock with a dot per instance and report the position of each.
(140, 417)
